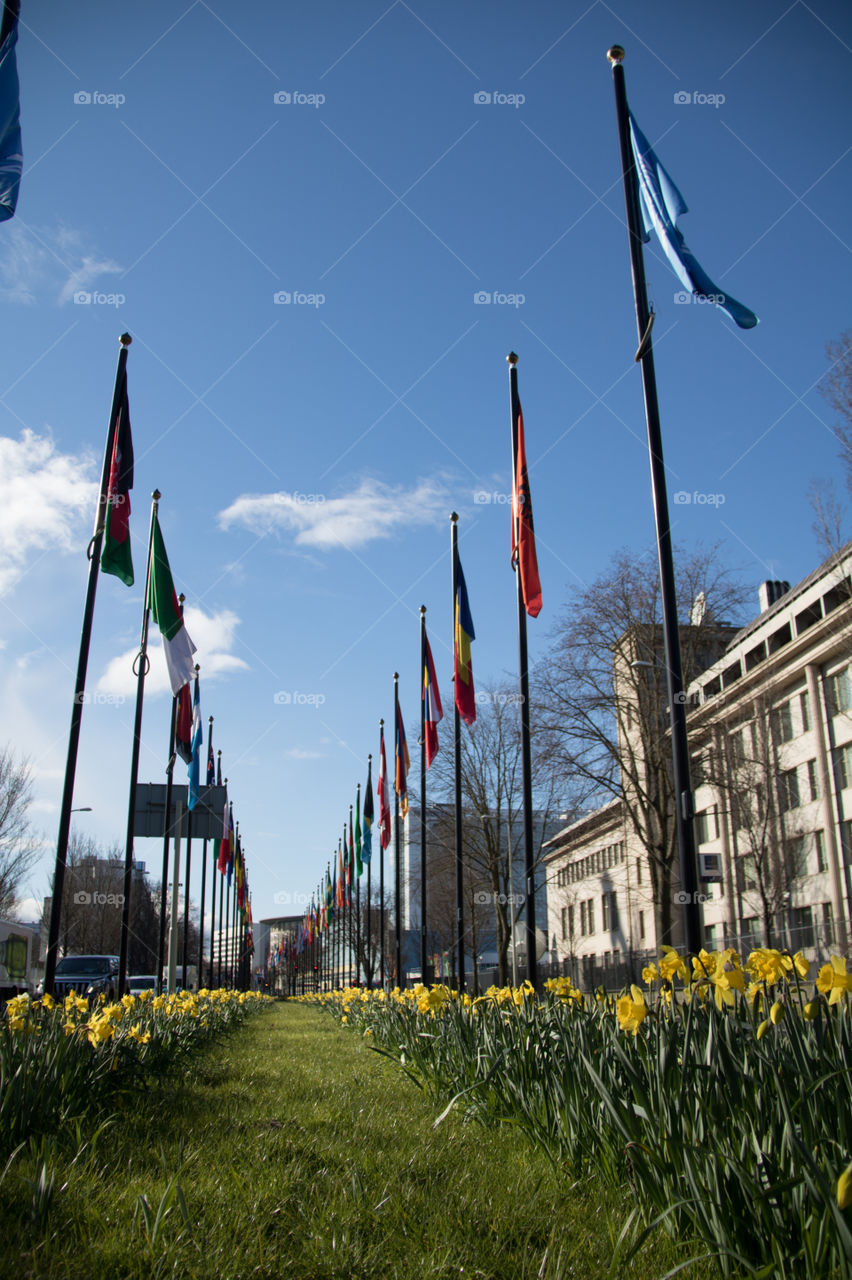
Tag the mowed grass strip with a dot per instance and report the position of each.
(292, 1149)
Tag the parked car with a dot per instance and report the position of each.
(89, 976)
(140, 982)
(18, 956)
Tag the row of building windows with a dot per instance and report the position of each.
(803, 923)
(609, 917)
(790, 718)
(592, 864)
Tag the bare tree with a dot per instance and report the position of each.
(492, 819)
(92, 898)
(837, 390)
(602, 702)
(829, 516)
(745, 770)
(18, 844)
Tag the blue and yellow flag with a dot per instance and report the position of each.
(464, 633)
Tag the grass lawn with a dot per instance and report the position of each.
(293, 1150)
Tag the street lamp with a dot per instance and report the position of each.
(86, 808)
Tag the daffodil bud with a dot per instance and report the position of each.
(844, 1187)
(776, 1013)
(761, 1030)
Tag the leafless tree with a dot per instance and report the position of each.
(18, 843)
(837, 390)
(601, 701)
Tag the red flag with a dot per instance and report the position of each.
(523, 550)
(227, 836)
(433, 711)
(183, 724)
(384, 806)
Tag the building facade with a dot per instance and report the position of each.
(770, 739)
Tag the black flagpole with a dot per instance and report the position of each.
(358, 900)
(397, 853)
(141, 665)
(382, 881)
(671, 633)
(454, 536)
(94, 554)
(203, 883)
(368, 967)
(167, 833)
(425, 976)
(523, 663)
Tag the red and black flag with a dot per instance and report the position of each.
(115, 557)
(523, 534)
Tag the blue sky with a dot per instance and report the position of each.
(383, 166)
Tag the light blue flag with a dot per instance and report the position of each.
(11, 157)
(662, 204)
(194, 767)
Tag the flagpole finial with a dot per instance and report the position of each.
(125, 339)
(209, 719)
(156, 495)
(422, 610)
(370, 756)
(454, 515)
(615, 54)
(511, 359)
(395, 676)
(381, 724)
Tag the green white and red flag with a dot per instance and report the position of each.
(163, 602)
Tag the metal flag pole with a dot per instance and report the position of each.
(94, 554)
(397, 852)
(523, 664)
(454, 543)
(671, 635)
(140, 666)
(425, 976)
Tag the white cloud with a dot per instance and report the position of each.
(213, 635)
(48, 260)
(373, 510)
(45, 495)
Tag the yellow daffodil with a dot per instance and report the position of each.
(833, 980)
(763, 1028)
(811, 1010)
(631, 1010)
(650, 974)
(673, 966)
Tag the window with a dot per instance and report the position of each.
(571, 922)
(782, 722)
(788, 790)
(590, 915)
(828, 924)
(805, 711)
(813, 780)
(844, 766)
(564, 923)
(638, 871)
(641, 924)
(710, 937)
(819, 844)
(705, 826)
(797, 854)
(846, 841)
(838, 692)
(609, 911)
(802, 921)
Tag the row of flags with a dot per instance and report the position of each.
(179, 649)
